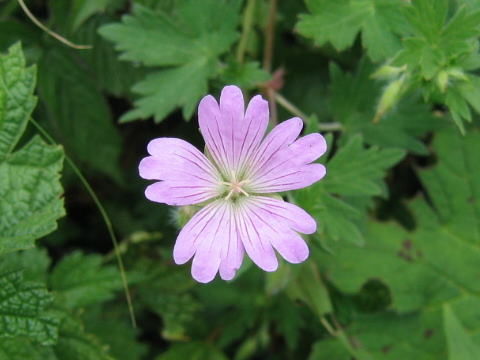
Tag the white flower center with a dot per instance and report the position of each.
(235, 186)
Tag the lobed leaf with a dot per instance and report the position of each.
(339, 22)
(188, 45)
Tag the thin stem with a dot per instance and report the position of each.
(327, 326)
(269, 37)
(246, 28)
(104, 214)
(287, 105)
(50, 32)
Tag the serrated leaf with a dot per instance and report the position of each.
(189, 43)
(81, 280)
(30, 193)
(246, 76)
(79, 113)
(339, 22)
(30, 189)
(17, 84)
(22, 308)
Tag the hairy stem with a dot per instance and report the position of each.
(104, 214)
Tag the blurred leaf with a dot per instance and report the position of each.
(75, 344)
(189, 44)
(35, 263)
(460, 345)
(30, 189)
(80, 280)
(192, 351)
(339, 22)
(309, 288)
(111, 75)
(246, 76)
(83, 9)
(440, 259)
(353, 102)
(353, 173)
(357, 171)
(22, 308)
(119, 334)
(78, 112)
(166, 293)
(440, 51)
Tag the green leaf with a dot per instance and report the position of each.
(194, 351)
(22, 308)
(309, 288)
(83, 9)
(246, 76)
(189, 44)
(119, 334)
(439, 260)
(30, 193)
(79, 113)
(339, 22)
(80, 280)
(17, 102)
(75, 344)
(460, 345)
(355, 170)
(35, 263)
(353, 103)
(30, 189)
(166, 293)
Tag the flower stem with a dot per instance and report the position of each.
(104, 214)
(287, 105)
(246, 28)
(269, 37)
(50, 32)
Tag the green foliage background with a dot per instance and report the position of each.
(394, 271)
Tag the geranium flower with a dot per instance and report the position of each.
(240, 213)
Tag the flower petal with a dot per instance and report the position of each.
(277, 231)
(296, 218)
(211, 237)
(288, 168)
(232, 250)
(280, 136)
(188, 176)
(254, 235)
(230, 134)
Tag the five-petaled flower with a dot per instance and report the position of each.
(240, 213)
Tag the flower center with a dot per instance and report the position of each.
(235, 186)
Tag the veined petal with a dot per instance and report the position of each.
(231, 134)
(253, 233)
(188, 177)
(297, 218)
(271, 224)
(280, 136)
(211, 237)
(253, 129)
(288, 168)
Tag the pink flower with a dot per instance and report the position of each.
(239, 214)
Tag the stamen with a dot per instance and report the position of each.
(235, 187)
